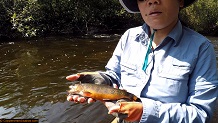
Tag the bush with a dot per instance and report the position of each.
(202, 16)
(29, 18)
(4, 21)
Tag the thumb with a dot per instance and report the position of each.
(115, 86)
(114, 109)
(73, 77)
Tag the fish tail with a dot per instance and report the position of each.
(133, 97)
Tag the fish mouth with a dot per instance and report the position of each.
(71, 92)
(72, 89)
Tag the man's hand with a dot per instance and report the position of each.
(86, 77)
(90, 77)
(132, 109)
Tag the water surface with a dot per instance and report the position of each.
(33, 84)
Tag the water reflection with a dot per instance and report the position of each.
(32, 78)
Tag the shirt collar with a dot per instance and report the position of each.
(143, 35)
(175, 34)
(146, 28)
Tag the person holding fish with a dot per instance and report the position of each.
(169, 67)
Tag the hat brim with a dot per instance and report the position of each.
(132, 5)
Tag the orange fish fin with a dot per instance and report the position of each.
(86, 94)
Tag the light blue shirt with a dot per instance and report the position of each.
(180, 81)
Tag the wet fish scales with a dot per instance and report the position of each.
(102, 92)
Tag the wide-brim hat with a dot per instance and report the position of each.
(132, 5)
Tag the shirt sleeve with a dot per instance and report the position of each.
(113, 65)
(202, 85)
(201, 101)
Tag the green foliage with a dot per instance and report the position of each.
(202, 16)
(24, 17)
(4, 21)
(29, 18)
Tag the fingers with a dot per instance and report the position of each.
(115, 86)
(73, 77)
(76, 76)
(90, 100)
(80, 99)
(108, 104)
(114, 109)
(76, 98)
(85, 73)
(69, 98)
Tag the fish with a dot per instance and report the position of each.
(101, 92)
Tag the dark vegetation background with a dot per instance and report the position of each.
(38, 18)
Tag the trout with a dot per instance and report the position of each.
(101, 92)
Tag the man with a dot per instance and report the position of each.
(171, 68)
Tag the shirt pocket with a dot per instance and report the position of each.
(177, 70)
(128, 68)
(129, 75)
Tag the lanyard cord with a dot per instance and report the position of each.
(145, 65)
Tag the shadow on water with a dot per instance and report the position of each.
(33, 84)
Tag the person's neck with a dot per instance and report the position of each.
(161, 34)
